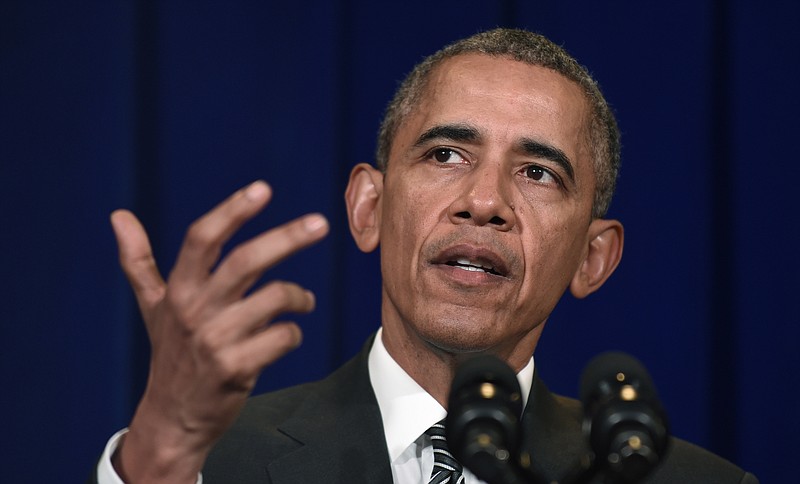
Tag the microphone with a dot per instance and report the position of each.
(482, 426)
(623, 418)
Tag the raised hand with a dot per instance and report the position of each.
(210, 340)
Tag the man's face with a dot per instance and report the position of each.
(485, 206)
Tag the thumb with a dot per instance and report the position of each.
(137, 261)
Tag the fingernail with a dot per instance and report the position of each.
(315, 222)
(256, 191)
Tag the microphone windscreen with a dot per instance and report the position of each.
(613, 368)
(485, 369)
(623, 419)
(482, 424)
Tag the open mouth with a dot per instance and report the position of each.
(476, 259)
(472, 266)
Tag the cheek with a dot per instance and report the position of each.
(553, 248)
(401, 226)
(413, 209)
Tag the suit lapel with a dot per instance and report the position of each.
(339, 431)
(552, 430)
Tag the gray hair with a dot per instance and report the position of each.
(534, 49)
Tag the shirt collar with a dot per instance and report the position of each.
(406, 409)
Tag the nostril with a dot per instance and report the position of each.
(463, 214)
(497, 220)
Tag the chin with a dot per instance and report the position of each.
(456, 337)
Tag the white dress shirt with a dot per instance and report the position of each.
(408, 411)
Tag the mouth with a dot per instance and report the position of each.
(473, 259)
(468, 265)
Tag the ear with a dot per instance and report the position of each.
(603, 253)
(362, 197)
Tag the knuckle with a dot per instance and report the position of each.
(226, 367)
(204, 341)
(280, 292)
(297, 233)
(180, 306)
(199, 235)
(209, 345)
(240, 260)
(150, 297)
(287, 296)
(175, 299)
(284, 336)
(289, 237)
(231, 370)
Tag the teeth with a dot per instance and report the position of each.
(468, 265)
(471, 268)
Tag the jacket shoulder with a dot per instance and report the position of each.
(254, 440)
(683, 462)
(687, 462)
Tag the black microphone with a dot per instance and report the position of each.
(623, 418)
(482, 426)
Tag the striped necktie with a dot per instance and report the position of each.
(446, 469)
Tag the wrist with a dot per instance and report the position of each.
(156, 450)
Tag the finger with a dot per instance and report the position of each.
(247, 262)
(239, 321)
(205, 237)
(244, 361)
(136, 258)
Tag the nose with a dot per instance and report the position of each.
(484, 199)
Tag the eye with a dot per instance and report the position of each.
(541, 175)
(446, 155)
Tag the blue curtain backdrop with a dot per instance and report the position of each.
(166, 107)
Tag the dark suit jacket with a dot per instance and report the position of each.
(331, 431)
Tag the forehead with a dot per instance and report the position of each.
(505, 98)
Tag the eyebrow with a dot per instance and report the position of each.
(452, 132)
(548, 152)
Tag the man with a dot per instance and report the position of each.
(496, 164)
